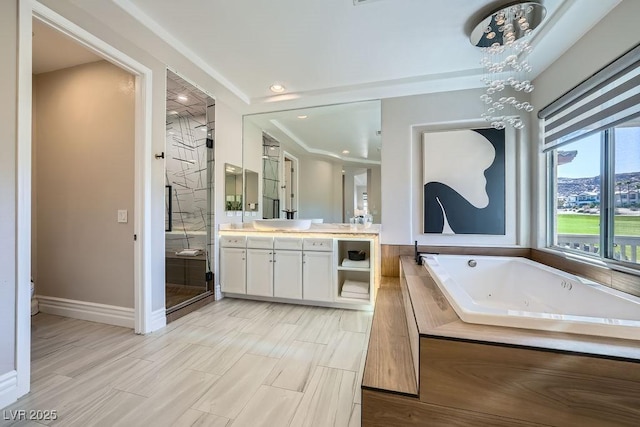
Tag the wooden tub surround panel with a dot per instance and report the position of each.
(389, 365)
(381, 409)
(470, 374)
(536, 386)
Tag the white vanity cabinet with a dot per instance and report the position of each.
(260, 272)
(318, 270)
(260, 266)
(304, 267)
(287, 267)
(233, 264)
(274, 267)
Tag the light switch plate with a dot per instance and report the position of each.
(122, 215)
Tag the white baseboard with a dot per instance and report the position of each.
(94, 312)
(8, 388)
(158, 319)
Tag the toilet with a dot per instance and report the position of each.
(34, 301)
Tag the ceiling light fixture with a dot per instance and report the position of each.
(503, 38)
(277, 88)
(303, 116)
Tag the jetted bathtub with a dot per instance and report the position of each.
(518, 292)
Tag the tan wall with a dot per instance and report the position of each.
(84, 174)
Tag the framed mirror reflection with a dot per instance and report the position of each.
(320, 163)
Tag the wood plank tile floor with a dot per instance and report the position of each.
(230, 363)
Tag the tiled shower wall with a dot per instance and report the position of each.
(188, 180)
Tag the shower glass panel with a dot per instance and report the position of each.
(270, 177)
(189, 209)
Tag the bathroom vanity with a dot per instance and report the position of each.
(309, 266)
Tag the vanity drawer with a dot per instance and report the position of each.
(233, 241)
(259, 242)
(324, 245)
(289, 243)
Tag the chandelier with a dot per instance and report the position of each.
(504, 37)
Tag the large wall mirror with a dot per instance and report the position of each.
(318, 163)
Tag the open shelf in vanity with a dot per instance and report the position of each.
(355, 279)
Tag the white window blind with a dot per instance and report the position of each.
(609, 97)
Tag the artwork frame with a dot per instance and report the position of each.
(464, 182)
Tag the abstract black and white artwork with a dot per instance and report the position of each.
(464, 182)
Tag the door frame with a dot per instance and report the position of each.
(27, 10)
(285, 192)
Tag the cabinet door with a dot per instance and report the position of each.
(287, 274)
(260, 272)
(233, 270)
(317, 281)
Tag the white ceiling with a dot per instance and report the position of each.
(328, 51)
(53, 50)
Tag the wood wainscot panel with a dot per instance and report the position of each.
(381, 409)
(536, 386)
(625, 282)
(391, 254)
(599, 274)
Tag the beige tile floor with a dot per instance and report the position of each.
(231, 363)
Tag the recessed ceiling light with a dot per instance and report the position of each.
(182, 98)
(277, 88)
(303, 116)
(345, 151)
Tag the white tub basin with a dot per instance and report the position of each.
(281, 224)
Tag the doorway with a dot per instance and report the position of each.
(290, 185)
(140, 317)
(83, 150)
(189, 210)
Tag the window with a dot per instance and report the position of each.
(592, 141)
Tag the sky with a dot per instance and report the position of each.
(586, 164)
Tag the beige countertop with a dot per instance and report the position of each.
(315, 229)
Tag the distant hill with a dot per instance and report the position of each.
(568, 186)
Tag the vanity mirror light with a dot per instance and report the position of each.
(318, 163)
(233, 188)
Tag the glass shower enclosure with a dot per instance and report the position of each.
(189, 172)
